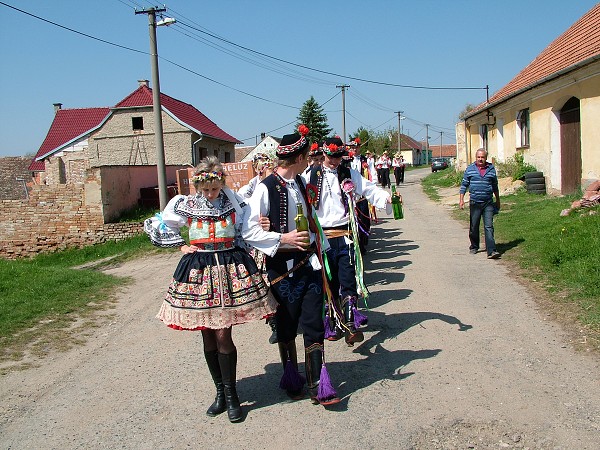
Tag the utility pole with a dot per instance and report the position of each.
(343, 87)
(156, 107)
(426, 143)
(399, 130)
(441, 136)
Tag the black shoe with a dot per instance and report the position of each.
(234, 409)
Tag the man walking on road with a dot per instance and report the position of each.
(481, 180)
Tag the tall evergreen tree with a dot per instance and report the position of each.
(312, 115)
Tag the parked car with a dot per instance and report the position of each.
(438, 164)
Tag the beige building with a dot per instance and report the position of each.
(550, 112)
(112, 151)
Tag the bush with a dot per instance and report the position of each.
(515, 167)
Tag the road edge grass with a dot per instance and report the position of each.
(555, 257)
(53, 301)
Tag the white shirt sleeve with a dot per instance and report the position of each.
(377, 197)
(258, 205)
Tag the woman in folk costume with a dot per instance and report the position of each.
(263, 165)
(294, 267)
(216, 284)
(337, 187)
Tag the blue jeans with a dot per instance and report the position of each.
(476, 211)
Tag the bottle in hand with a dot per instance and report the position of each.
(397, 204)
(301, 220)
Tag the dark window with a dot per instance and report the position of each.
(523, 127)
(227, 157)
(483, 134)
(137, 123)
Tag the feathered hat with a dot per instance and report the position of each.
(293, 144)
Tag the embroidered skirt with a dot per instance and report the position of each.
(216, 290)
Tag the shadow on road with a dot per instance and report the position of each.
(261, 391)
(389, 326)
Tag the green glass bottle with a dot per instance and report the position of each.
(300, 219)
(397, 204)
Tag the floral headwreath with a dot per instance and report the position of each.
(204, 177)
(286, 149)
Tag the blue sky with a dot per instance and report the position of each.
(430, 43)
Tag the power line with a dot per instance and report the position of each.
(333, 73)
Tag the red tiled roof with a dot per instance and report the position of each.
(408, 142)
(581, 42)
(183, 112)
(448, 151)
(68, 125)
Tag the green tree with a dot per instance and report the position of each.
(312, 115)
(363, 134)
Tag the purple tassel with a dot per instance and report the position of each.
(359, 318)
(329, 333)
(291, 380)
(326, 392)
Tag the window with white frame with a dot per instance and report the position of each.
(523, 128)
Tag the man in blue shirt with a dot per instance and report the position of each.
(481, 180)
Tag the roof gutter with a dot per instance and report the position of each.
(531, 86)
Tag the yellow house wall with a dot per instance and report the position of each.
(544, 103)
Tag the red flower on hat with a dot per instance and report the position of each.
(314, 146)
(332, 148)
(303, 130)
(357, 140)
(351, 153)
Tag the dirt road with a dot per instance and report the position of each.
(456, 355)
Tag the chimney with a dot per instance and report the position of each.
(57, 106)
(143, 83)
(263, 135)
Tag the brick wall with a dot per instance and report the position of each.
(54, 218)
(11, 168)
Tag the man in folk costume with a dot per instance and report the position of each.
(358, 162)
(336, 188)
(293, 267)
(315, 156)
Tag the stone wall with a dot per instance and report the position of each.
(55, 218)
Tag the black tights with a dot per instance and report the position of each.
(219, 340)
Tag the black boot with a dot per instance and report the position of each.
(313, 362)
(351, 334)
(291, 380)
(272, 322)
(228, 363)
(218, 406)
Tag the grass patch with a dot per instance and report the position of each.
(43, 298)
(441, 179)
(558, 254)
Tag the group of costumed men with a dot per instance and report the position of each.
(314, 275)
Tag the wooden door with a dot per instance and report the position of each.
(570, 147)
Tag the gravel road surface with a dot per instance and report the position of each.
(456, 355)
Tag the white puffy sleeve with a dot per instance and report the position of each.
(377, 197)
(163, 228)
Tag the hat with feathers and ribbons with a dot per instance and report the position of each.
(293, 144)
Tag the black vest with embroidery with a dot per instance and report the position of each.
(316, 179)
(278, 201)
